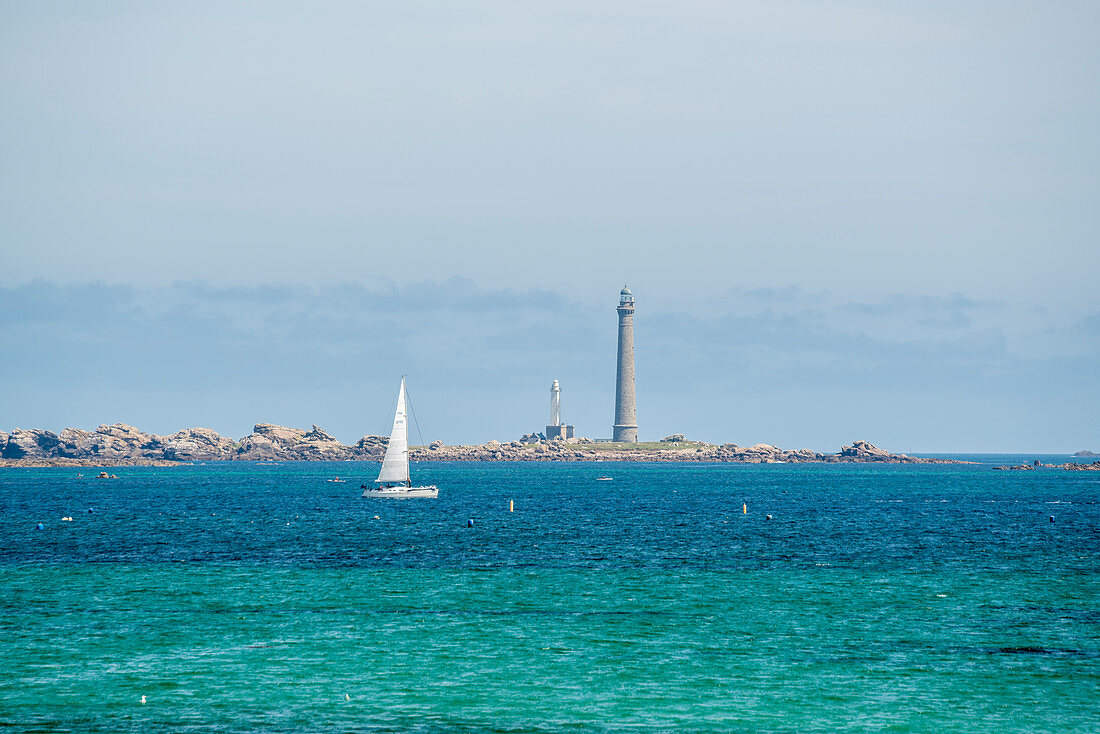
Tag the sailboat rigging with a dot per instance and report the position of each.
(393, 478)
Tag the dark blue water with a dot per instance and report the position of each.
(239, 597)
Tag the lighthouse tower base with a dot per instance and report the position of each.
(624, 434)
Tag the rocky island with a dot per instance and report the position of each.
(124, 445)
(121, 445)
(672, 448)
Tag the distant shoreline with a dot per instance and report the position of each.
(859, 452)
(595, 458)
(122, 445)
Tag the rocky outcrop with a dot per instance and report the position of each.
(318, 445)
(30, 444)
(257, 447)
(373, 447)
(269, 442)
(673, 438)
(527, 449)
(280, 435)
(1071, 466)
(71, 441)
(197, 444)
(117, 441)
(864, 451)
(1094, 466)
(122, 443)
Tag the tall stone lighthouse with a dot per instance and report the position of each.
(626, 419)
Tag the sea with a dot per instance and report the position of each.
(533, 597)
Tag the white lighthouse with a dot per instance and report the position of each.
(555, 404)
(556, 429)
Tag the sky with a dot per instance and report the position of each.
(841, 220)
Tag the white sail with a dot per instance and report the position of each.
(395, 464)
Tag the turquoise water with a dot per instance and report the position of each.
(253, 597)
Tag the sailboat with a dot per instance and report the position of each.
(393, 479)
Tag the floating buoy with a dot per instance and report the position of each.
(347, 697)
(744, 509)
(143, 699)
(511, 505)
(40, 526)
(470, 523)
(769, 517)
(1052, 518)
(377, 518)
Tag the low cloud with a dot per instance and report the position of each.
(480, 362)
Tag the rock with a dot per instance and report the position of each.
(119, 440)
(673, 438)
(197, 444)
(31, 444)
(318, 434)
(865, 451)
(278, 434)
(256, 447)
(372, 447)
(269, 441)
(317, 444)
(436, 445)
(72, 439)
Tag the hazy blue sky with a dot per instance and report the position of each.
(842, 220)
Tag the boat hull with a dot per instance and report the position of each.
(401, 493)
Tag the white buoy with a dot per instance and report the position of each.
(347, 697)
(511, 505)
(143, 699)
